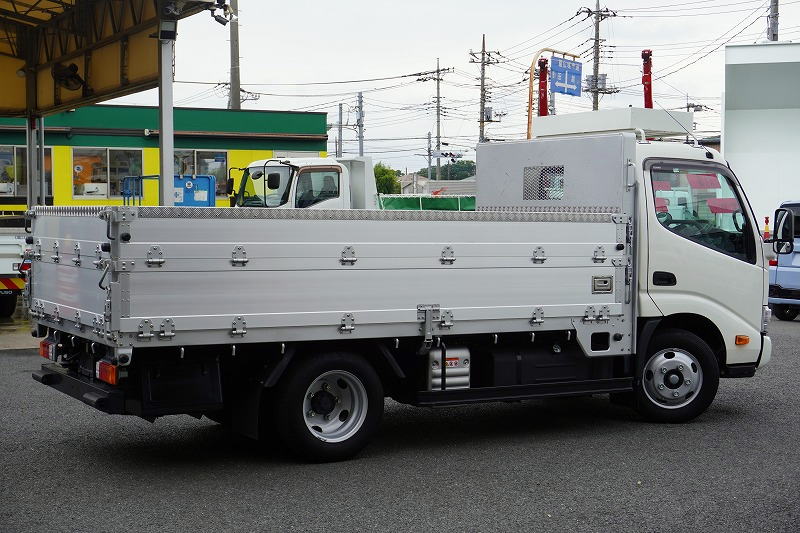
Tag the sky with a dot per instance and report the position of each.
(287, 48)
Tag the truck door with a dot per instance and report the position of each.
(703, 253)
(319, 188)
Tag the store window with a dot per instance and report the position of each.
(184, 162)
(99, 172)
(204, 163)
(14, 171)
(214, 164)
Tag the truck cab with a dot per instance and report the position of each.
(315, 183)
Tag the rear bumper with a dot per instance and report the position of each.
(90, 391)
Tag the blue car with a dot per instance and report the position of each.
(784, 275)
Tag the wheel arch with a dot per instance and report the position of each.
(693, 323)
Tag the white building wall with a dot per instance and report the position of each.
(761, 122)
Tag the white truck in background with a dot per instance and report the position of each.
(314, 182)
(12, 279)
(572, 277)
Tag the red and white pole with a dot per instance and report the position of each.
(542, 87)
(647, 77)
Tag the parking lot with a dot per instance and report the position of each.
(578, 464)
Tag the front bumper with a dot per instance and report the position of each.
(766, 351)
(90, 391)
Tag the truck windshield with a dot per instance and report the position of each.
(255, 192)
(703, 206)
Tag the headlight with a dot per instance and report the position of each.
(766, 315)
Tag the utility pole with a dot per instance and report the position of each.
(482, 133)
(339, 145)
(485, 59)
(772, 31)
(438, 122)
(596, 62)
(235, 97)
(360, 123)
(429, 163)
(594, 83)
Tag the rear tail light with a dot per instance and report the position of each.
(773, 262)
(47, 349)
(105, 371)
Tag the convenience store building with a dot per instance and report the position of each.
(91, 149)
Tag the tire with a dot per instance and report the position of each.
(8, 304)
(785, 312)
(340, 386)
(679, 378)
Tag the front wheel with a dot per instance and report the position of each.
(785, 312)
(327, 406)
(679, 379)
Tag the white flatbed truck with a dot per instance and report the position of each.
(572, 277)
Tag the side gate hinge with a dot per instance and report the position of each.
(77, 259)
(599, 255)
(145, 330)
(593, 315)
(539, 256)
(155, 256)
(239, 256)
(239, 327)
(448, 256)
(348, 256)
(55, 257)
(167, 329)
(347, 324)
(538, 316)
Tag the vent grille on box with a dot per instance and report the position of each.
(543, 183)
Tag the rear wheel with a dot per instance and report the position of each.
(8, 304)
(679, 379)
(785, 312)
(327, 407)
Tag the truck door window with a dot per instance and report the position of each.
(253, 190)
(315, 186)
(703, 206)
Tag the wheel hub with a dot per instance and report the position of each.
(323, 402)
(672, 378)
(335, 406)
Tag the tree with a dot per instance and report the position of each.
(386, 179)
(452, 171)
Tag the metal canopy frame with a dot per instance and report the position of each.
(61, 54)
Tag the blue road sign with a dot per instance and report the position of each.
(565, 76)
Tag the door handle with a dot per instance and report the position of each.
(666, 279)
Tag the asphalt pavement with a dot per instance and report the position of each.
(560, 465)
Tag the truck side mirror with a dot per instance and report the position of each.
(274, 180)
(783, 240)
(229, 187)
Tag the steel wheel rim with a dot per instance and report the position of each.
(672, 378)
(335, 406)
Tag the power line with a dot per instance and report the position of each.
(337, 82)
